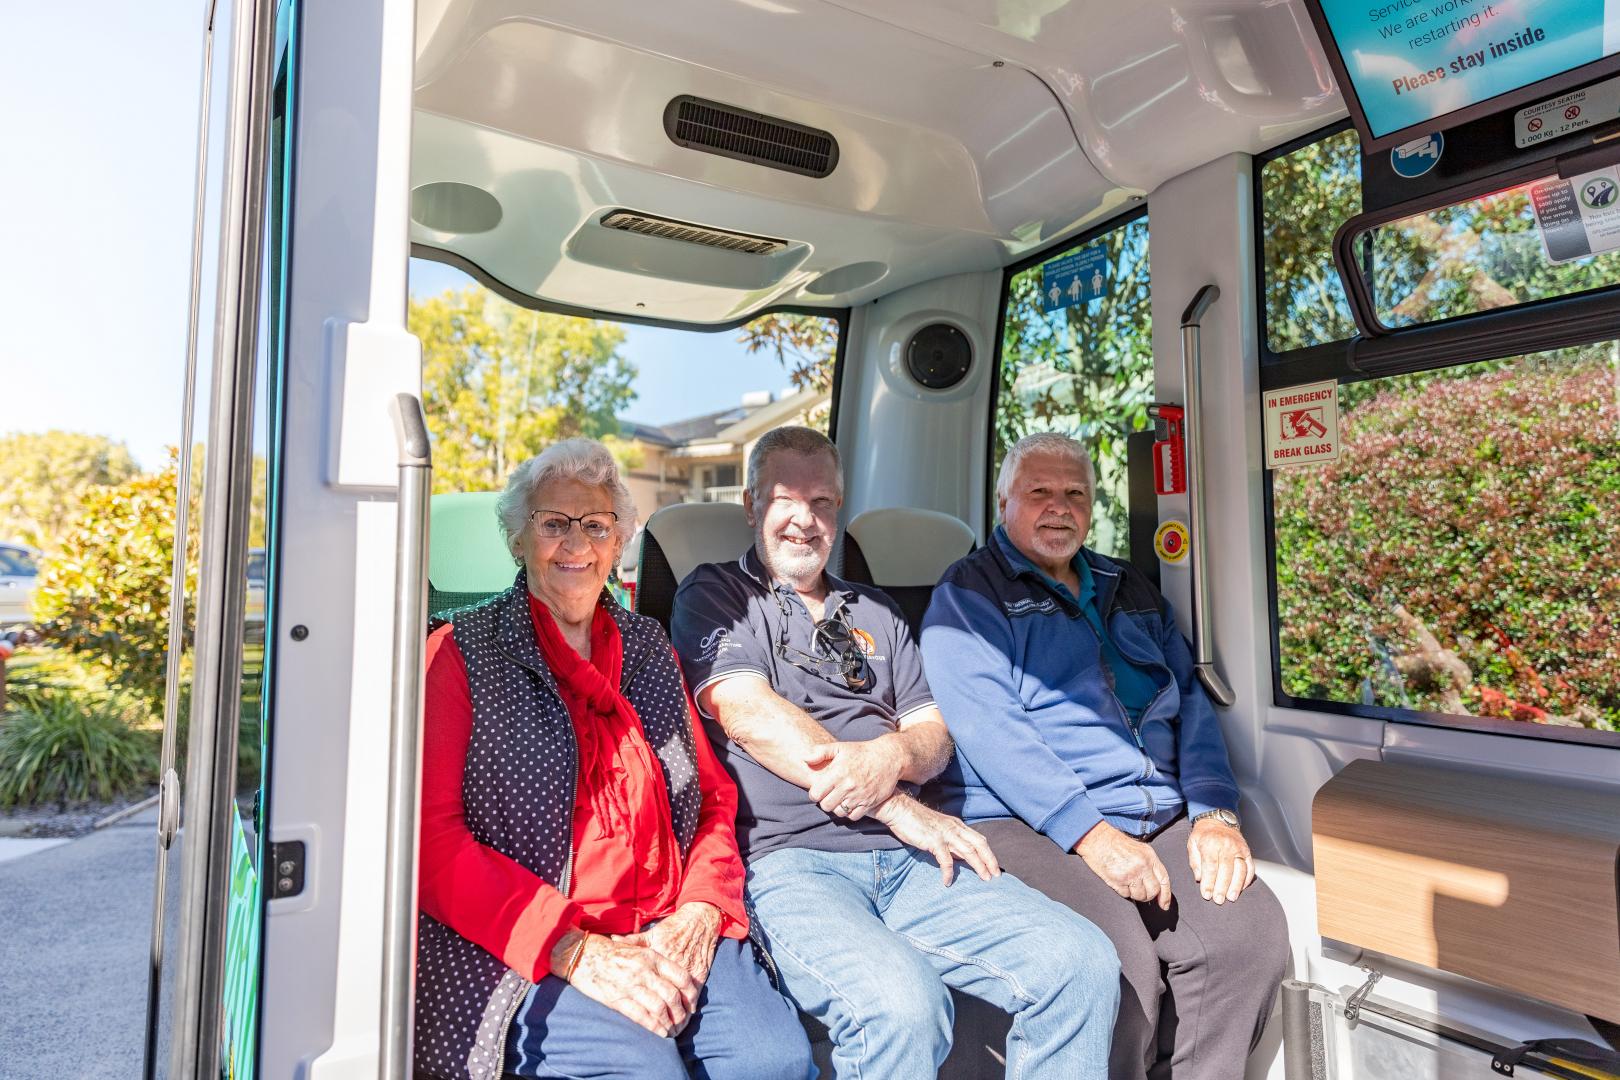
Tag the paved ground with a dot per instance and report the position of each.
(75, 922)
(12, 848)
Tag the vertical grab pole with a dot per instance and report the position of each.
(1193, 432)
(404, 742)
(1302, 1040)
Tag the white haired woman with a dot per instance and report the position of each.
(581, 891)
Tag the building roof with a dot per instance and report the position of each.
(693, 429)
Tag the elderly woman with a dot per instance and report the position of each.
(581, 891)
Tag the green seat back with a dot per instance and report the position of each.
(467, 556)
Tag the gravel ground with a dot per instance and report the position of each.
(65, 821)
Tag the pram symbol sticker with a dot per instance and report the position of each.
(1302, 424)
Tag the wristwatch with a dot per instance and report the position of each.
(1225, 817)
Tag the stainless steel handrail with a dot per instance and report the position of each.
(210, 797)
(169, 780)
(404, 741)
(1193, 433)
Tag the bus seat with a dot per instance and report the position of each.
(676, 541)
(467, 556)
(904, 552)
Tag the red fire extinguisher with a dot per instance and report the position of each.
(1169, 449)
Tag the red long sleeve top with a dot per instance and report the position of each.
(627, 869)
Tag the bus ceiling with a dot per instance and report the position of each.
(819, 153)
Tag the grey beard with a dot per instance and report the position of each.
(791, 573)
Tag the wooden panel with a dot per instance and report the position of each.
(1511, 882)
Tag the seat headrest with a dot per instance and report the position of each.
(906, 548)
(467, 552)
(691, 534)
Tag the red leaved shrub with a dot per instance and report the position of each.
(1483, 503)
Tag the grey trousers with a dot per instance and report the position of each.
(1196, 982)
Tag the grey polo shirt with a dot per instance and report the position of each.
(729, 622)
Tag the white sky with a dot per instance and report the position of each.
(99, 124)
(99, 121)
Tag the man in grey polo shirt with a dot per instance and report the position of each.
(813, 692)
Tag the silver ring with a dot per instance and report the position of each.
(845, 809)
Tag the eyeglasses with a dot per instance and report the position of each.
(554, 524)
(837, 649)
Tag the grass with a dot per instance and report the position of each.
(67, 737)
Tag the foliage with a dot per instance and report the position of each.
(70, 745)
(628, 453)
(501, 383)
(1307, 195)
(104, 593)
(1473, 256)
(45, 478)
(1085, 370)
(806, 345)
(1475, 505)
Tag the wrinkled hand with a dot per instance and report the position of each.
(850, 779)
(1129, 867)
(688, 937)
(632, 979)
(1220, 860)
(944, 837)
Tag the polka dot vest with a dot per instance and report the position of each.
(518, 791)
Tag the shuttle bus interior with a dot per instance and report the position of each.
(1160, 227)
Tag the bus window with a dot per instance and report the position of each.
(1082, 365)
(1457, 560)
(1305, 195)
(679, 409)
(1486, 253)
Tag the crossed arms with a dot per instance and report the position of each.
(851, 779)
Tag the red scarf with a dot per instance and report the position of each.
(612, 744)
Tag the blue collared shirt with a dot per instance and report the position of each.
(1042, 734)
(1132, 684)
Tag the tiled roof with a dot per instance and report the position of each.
(681, 432)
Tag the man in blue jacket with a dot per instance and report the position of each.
(1092, 760)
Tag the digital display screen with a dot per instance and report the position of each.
(1411, 62)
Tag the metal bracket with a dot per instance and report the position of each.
(1352, 1005)
(1576, 1056)
(286, 869)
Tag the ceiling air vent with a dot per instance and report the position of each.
(646, 225)
(749, 136)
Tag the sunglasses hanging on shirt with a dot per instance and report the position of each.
(838, 654)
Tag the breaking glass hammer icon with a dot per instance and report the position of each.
(1303, 424)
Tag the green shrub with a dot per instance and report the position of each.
(104, 592)
(65, 745)
(1478, 506)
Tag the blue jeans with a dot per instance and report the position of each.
(869, 942)
(743, 1030)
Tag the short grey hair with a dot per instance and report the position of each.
(798, 440)
(585, 460)
(1044, 442)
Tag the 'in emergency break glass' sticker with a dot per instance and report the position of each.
(1076, 278)
(1302, 424)
(1579, 216)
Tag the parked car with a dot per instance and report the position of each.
(256, 572)
(18, 576)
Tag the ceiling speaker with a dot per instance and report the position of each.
(938, 356)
